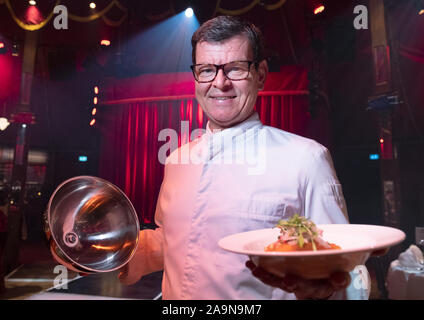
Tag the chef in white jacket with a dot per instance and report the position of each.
(240, 175)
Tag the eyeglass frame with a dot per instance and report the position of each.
(221, 66)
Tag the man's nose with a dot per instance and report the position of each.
(221, 81)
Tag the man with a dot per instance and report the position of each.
(214, 195)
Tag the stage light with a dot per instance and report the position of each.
(95, 100)
(316, 6)
(319, 8)
(4, 123)
(94, 111)
(32, 2)
(92, 122)
(3, 48)
(419, 5)
(105, 42)
(92, 5)
(96, 90)
(382, 140)
(32, 14)
(189, 12)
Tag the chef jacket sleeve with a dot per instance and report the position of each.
(323, 197)
(324, 203)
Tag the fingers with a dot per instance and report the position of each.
(303, 288)
(123, 273)
(317, 289)
(263, 275)
(250, 265)
(379, 253)
(126, 277)
(290, 283)
(340, 280)
(322, 288)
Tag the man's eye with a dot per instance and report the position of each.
(206, 71)
(235, 69)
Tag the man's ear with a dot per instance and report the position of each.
(262, 72)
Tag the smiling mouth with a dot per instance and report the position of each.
(223, 98)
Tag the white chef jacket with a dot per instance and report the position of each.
(212, 189)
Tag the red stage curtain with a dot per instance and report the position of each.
(287, 112)
(129, 155)
(130, 131)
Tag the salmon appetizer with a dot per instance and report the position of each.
(299, 234)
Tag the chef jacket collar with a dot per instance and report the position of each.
(215, 139)
(247, 124)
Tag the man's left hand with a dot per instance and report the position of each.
(303, 288)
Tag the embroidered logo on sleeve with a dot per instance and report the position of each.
(335, 191)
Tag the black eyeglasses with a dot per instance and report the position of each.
(235, 70)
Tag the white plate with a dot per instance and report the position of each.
(357, 242)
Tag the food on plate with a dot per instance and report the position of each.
(299, 234)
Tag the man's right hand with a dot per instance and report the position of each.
(147, 258)
(127, 276)
(123, 274)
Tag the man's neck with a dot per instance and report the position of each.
(213, 126)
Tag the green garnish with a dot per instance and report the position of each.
(300, 229)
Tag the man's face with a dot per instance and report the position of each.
(226, 102)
